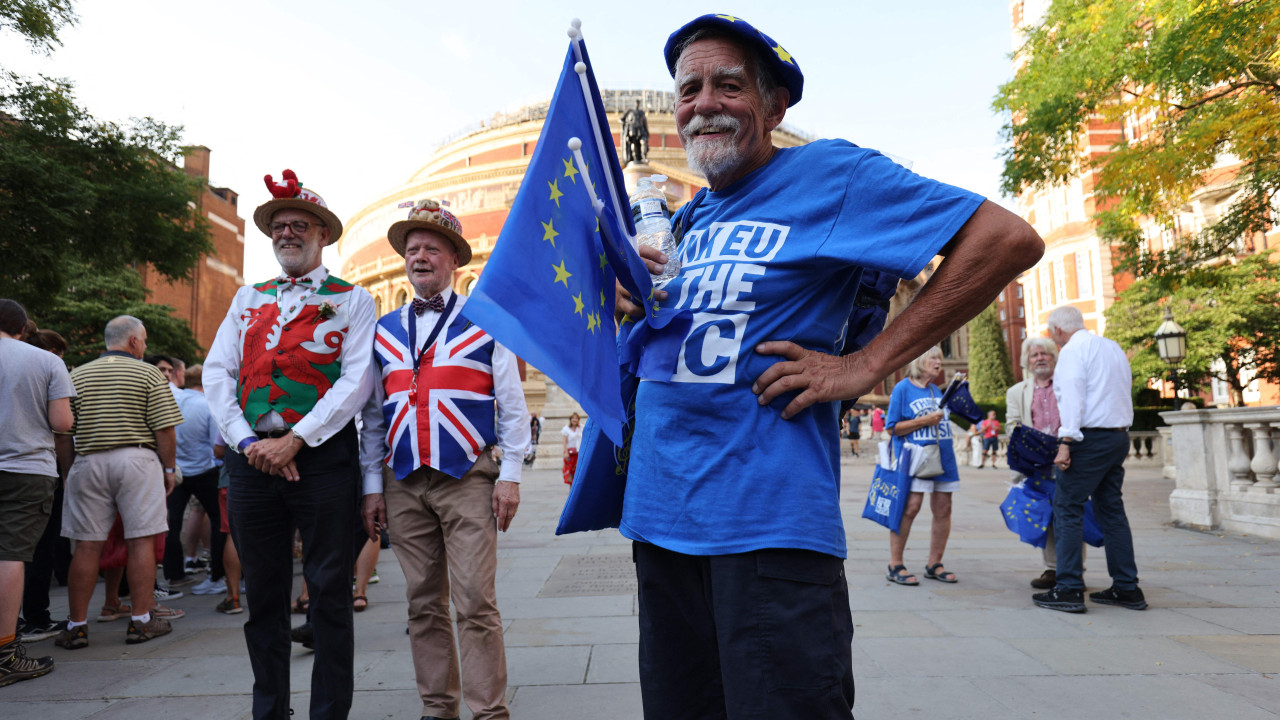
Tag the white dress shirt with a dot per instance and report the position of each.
(513, 415)
(344, 399)
(1093, 385)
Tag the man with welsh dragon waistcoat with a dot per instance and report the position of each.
(287, 373)
(448, 393)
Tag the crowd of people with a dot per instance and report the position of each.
(314, 418)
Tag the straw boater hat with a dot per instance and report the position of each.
(428, 215)
(289, 193)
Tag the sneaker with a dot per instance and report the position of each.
(109, 614)
(142, 632)
(16, 666)
(230, 606)
(1047, 580)
(210, 587)
(168, 613)
(304, 636)
(162, 595)
(1062, 599)
(1132, 599)
(195, 565)
(73, 639)
(183, 581)
(35, 632)
(373, 579)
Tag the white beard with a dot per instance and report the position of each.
(712, 158)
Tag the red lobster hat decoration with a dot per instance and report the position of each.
(289, 193)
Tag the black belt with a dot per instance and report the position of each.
(1119, 429)
(269, 434)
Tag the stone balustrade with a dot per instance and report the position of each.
(1226, 469)
(1147, 449)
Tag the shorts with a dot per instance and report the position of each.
(990, 444)
(125, 480)
(924, 486)
(222, 508)
(855, 436)
(26, 501)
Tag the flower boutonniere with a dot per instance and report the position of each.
(327, 310)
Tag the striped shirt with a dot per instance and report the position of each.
(120, 401)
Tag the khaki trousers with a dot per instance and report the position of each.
(445, 536)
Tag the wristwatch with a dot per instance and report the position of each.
(298, 436)
(168, 471)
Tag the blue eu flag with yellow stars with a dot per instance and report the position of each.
(547, 291)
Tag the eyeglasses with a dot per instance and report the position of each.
(297, 226)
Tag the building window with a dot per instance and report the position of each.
(1019, 291)
(1022, 333)
(1001, 296)
(1059, 281)
(1084, 274)
(1042, 279)
(946, 347)
(377, 305)
(1002, 315)
(402, 297)
(1021, 313)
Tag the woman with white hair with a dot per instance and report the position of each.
(914, 416)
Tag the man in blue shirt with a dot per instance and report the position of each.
(732, 494)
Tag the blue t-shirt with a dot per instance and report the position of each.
(775, 256)
(908, 402)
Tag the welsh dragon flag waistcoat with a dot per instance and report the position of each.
(453, 419)
(289, 367)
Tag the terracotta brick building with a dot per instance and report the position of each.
(203, 300)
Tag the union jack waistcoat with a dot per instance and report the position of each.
(454, 417)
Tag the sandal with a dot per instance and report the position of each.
(356, 603)
(904, 579)
(300, 606)
(946, 576)
(123, 610)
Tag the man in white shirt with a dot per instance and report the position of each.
(431, 420)
(287, 373)
(1093, 386)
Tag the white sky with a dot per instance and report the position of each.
(355, 96)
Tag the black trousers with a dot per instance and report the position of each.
(764, 634)
(264, 511)
(205, 489)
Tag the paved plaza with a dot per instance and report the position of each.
(1209, 646)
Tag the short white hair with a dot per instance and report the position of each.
(915, 368)
(1030, 344)
(1066, 318)
(120, 329)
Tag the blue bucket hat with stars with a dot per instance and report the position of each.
(786, 67)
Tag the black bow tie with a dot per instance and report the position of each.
(420, 306)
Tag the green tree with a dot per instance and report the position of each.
(95, 295)
(1202, 76)
(39, 21)
(77, 193)
(1231, 313)
(990, 372)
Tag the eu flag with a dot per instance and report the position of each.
(547, 292)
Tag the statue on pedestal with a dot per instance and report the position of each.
(635, 136)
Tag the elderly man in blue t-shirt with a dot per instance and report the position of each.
(732, 494)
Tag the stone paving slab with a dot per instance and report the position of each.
(976, 649)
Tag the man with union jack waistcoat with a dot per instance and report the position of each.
(447, 389)
(288, 371)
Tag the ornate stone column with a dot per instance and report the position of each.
(1264, 461)
(1237, 460)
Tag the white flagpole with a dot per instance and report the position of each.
(575, 34)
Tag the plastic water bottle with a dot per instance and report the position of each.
(653, 223)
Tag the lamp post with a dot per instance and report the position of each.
(1171, 343)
